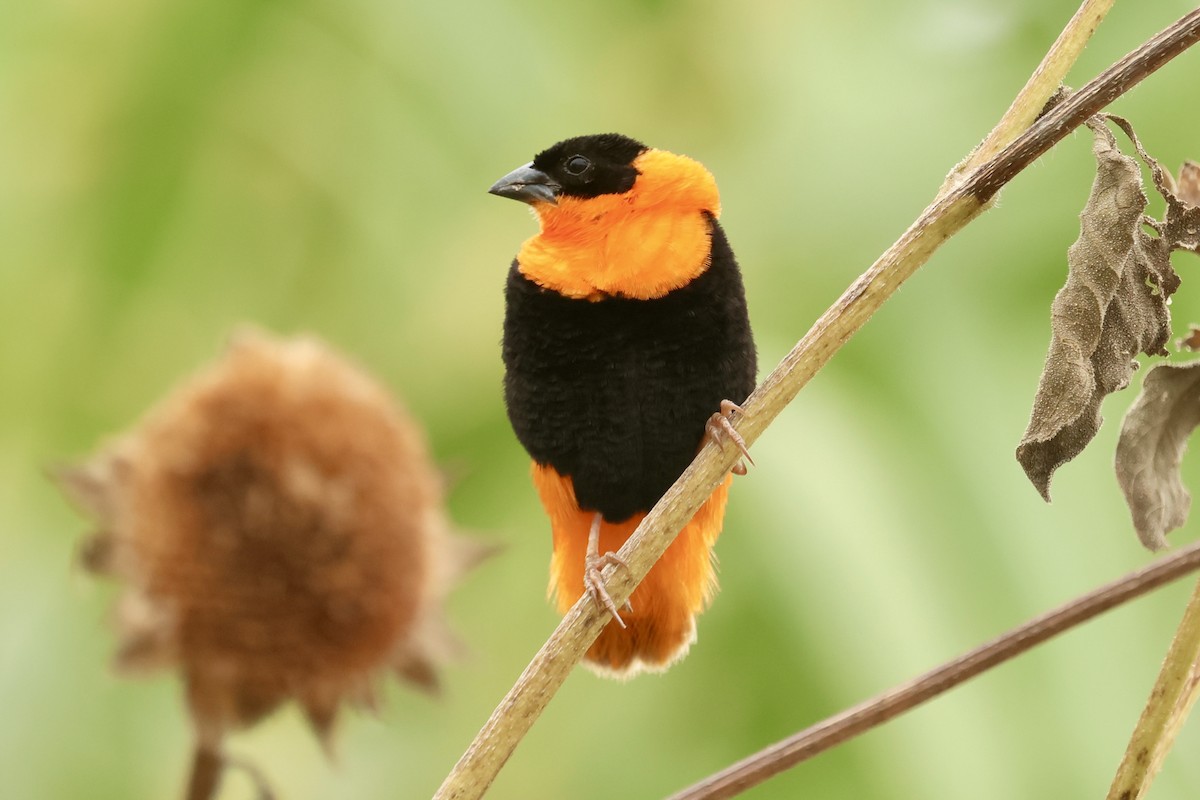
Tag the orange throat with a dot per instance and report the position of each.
(641, 244)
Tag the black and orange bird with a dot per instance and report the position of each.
(626, 343)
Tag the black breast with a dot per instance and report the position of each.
(615, 393)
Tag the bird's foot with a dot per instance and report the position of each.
(593, 582)
(593, 566)
(720, 427)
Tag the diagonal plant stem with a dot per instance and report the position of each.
(948, 214)
(871, 714)
(1170, 700)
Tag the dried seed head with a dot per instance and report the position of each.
(280, 530)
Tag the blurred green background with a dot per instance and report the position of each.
(170, 169)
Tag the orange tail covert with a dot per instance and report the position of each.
(661, 626)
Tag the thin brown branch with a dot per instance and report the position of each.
(209, 764)
(948, 214)
(894, 702)
(1041, 86)
(205, 777)
(1098, 93)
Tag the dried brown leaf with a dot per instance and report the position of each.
(1191, 341)
(1181, 226)
(1153, 439)
(1188, 186)
(1113, 306)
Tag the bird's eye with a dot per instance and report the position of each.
(577, 165)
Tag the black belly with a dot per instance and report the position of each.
(615, 393)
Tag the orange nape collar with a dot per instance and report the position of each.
(640, 244)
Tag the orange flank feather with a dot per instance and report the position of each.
(640, 244)
(661, 626)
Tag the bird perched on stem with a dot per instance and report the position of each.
(626, 344)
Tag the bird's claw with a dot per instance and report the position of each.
(593, 582)
(720, 427)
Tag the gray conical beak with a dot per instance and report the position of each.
(528, 185)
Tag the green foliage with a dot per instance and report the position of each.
(169, 170)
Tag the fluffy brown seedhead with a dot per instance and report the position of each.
(280, 530)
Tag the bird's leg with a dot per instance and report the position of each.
(593, 563)
(720, 427)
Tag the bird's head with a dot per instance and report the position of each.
(617, 217)
(583, 180)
